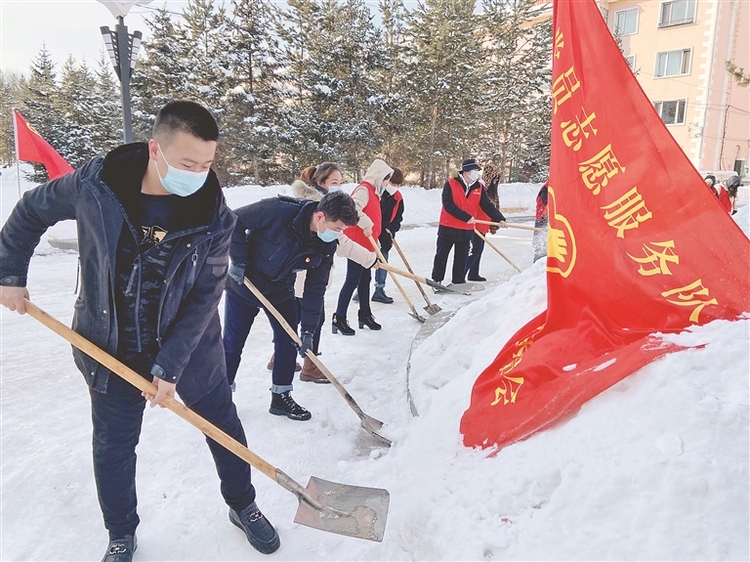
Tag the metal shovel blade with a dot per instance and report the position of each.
(372, 426)
(414, 314)
(355, 511)
(432, 309)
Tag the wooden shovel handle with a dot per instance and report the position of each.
(144, 385)
(491, 245)
(408, 267)
(395, 280)
(518, 226)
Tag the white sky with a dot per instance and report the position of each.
(68, 27)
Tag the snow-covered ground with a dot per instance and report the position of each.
(654, 468)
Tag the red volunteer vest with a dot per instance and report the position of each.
(372, 210)
(468, 204)
(399, 201)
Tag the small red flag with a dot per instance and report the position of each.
(31, 147)
(625, 260)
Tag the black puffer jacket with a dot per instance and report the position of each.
(101, 196)
(272, 240)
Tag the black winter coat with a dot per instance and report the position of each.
(390, 206)
(101, 196)
(272, 240)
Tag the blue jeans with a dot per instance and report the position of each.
(239, 314)
(381, 274)
(357, 277)
(117, 418)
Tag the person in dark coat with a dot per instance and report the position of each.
(541, 220)
(392, 213)
(463, 196)
(273, 240)
(153, 237)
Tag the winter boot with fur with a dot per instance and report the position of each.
(311, 373)
(341, 325)
(367, 319)
(284, 405)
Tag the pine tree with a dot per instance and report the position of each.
(75, 104)
(514, 131)
(40, 106)
(106, 130)
(205, 40)
(250, 133)
(393, 115)
(161, 74)
(298, 29)
(10, 91)
(444, 63)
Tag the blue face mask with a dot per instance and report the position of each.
(181, 182)
(329, 235)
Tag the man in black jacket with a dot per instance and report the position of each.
(273, 240)
(153, 237)
(463, 197)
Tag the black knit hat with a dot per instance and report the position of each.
(469, 164)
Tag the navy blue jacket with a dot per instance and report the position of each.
(272, 240)
(99, 196)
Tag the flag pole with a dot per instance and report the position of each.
(15, 139)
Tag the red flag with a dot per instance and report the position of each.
(31, 147)
(637, 245)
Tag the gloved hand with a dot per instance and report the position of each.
(307, 343)
(494, 229)
(237, 273)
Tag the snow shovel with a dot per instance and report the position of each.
(431, 309)
(419, 279)
(414, 314)
(506, 225)
(369, 424)
(491, 245)
(353, 511)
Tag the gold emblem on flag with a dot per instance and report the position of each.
(561, 243)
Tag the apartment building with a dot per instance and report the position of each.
(678, 50)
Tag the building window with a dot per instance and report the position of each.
(673, 63)
(626, 22)
(677, 12)
(630, 59)
(671, 112)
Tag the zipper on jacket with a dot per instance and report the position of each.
(167, 280)
(137, 271)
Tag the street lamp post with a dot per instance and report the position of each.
(123, 52)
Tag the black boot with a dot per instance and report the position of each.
(341, 325)
(380, 296)
(121, 549)
(367, 319)
(284, 405)
(258, 529)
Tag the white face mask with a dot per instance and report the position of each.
(180, 182)
(473, 175)
(392, 189)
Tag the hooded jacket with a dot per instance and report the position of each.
(367, 199)
(101, 197)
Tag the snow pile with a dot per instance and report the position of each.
(654, 468)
